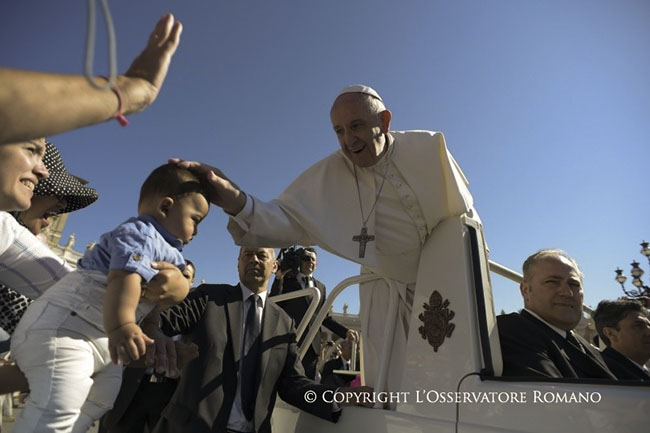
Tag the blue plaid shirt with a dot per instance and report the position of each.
(132, 246)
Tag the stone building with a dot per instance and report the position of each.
(53, 234)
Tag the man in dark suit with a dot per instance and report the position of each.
(625, 328)
(343, 362)
(247, 355)
(288, 281)
(539, 341)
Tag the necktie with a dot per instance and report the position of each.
(250, 361)
(573, 340)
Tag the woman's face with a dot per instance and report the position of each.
(36, 217)
(21, 167)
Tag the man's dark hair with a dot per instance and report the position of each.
(170, 180)
(306, 249)
(609, 313)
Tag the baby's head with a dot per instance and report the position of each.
(174, 196)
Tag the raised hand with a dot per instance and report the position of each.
(145, 76)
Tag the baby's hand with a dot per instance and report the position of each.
(127, 343)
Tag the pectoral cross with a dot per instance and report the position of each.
(363, 238)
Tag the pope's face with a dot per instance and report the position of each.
(554, 292)
(360, 133)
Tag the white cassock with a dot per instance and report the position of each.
(423, 186)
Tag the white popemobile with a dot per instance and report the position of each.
(452, 378)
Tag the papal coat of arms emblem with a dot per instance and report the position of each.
(436, 318)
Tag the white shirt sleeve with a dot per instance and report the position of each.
(26, 264)
(245, 214)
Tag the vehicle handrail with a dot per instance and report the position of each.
(389, 328)
(329, 301)
(310, 310)
(505, 272)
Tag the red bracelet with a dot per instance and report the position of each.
(120, 115)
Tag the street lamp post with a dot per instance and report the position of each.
(645, 250)
(641, 289)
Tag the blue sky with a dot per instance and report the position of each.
(545, 105)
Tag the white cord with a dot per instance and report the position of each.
(90, 46)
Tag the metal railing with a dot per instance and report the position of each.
(389, 327)
(310, 310)
(506, 272)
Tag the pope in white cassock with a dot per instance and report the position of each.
(374, 201)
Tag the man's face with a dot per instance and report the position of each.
(189, 273)
(255, 266)
(346, 350)
(554, 292)
(632, 338)
(308, 263)
(360, 133)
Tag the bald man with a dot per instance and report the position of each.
(539, 341)
(233, 384)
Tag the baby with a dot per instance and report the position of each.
(90, 316)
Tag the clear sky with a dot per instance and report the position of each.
(544, 104)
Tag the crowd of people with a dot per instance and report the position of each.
(374, 201)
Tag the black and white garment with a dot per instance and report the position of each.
(12, 308)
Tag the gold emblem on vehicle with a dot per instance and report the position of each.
(436, 318)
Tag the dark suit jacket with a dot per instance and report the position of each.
(329, 378)
(622, 367)
(296, 308)
(206, 392)
(138, 404)
(530, 348)
(131, 380)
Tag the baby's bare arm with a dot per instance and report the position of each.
(167, 287)
(120, 303)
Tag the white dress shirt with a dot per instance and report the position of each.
(237, 420)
